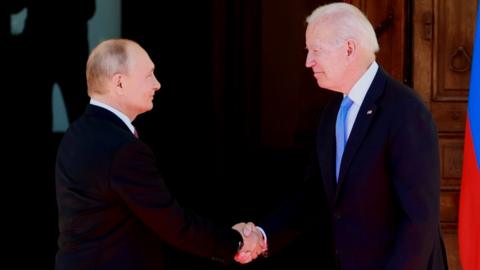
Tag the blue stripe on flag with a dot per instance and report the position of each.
(474, 95)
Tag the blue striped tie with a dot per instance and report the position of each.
(341, 131)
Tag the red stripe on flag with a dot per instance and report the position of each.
(469, 213)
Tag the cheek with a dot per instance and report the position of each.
(336, 66)
(319, 60)
(327, 62)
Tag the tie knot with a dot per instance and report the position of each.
(346, 103)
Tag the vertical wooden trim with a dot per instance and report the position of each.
(422, 58)
(408, 41)
(435, 67)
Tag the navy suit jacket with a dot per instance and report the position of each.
(115, 211)
(384, 211)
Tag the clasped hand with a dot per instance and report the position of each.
(253, 242)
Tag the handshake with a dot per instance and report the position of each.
(254, 242)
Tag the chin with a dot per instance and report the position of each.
(326, 86)
(322, 84)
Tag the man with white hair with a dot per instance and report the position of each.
(374, 180)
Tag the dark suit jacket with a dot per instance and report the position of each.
(115, 211)
(384, 211)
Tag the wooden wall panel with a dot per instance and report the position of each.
(450, 117)
(443, 39)
(451, 159)
(388, 18)
(452, 49)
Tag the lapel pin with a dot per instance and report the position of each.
(369, 112)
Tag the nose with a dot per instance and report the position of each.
(157, 84)
(309, 62)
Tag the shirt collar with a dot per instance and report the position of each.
(119, 114)
(360, 88)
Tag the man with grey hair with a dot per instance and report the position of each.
(374, 181)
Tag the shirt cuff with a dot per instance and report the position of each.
(264, 253)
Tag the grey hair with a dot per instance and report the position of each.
(107, 59)
(349, 22)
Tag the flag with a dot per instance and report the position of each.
(469, 212)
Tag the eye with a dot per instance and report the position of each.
(314, 51)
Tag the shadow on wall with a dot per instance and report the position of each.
(105, 24)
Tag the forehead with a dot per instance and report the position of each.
(140, 58)
(318, 33)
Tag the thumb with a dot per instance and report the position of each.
(247, 230)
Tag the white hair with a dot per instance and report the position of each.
(349, 22)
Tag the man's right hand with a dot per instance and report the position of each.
(253, 242)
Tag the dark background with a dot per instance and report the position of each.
(232, 126)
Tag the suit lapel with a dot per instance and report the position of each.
(366, 114)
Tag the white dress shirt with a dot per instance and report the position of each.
(357, 94)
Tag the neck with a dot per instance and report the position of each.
(356, 72)
(114, 104)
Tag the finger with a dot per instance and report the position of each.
(247, 229)
(243, 257)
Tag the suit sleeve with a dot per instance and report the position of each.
(138, 182)
(415, 171)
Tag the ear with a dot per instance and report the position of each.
(118, 83)
(352, 48)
